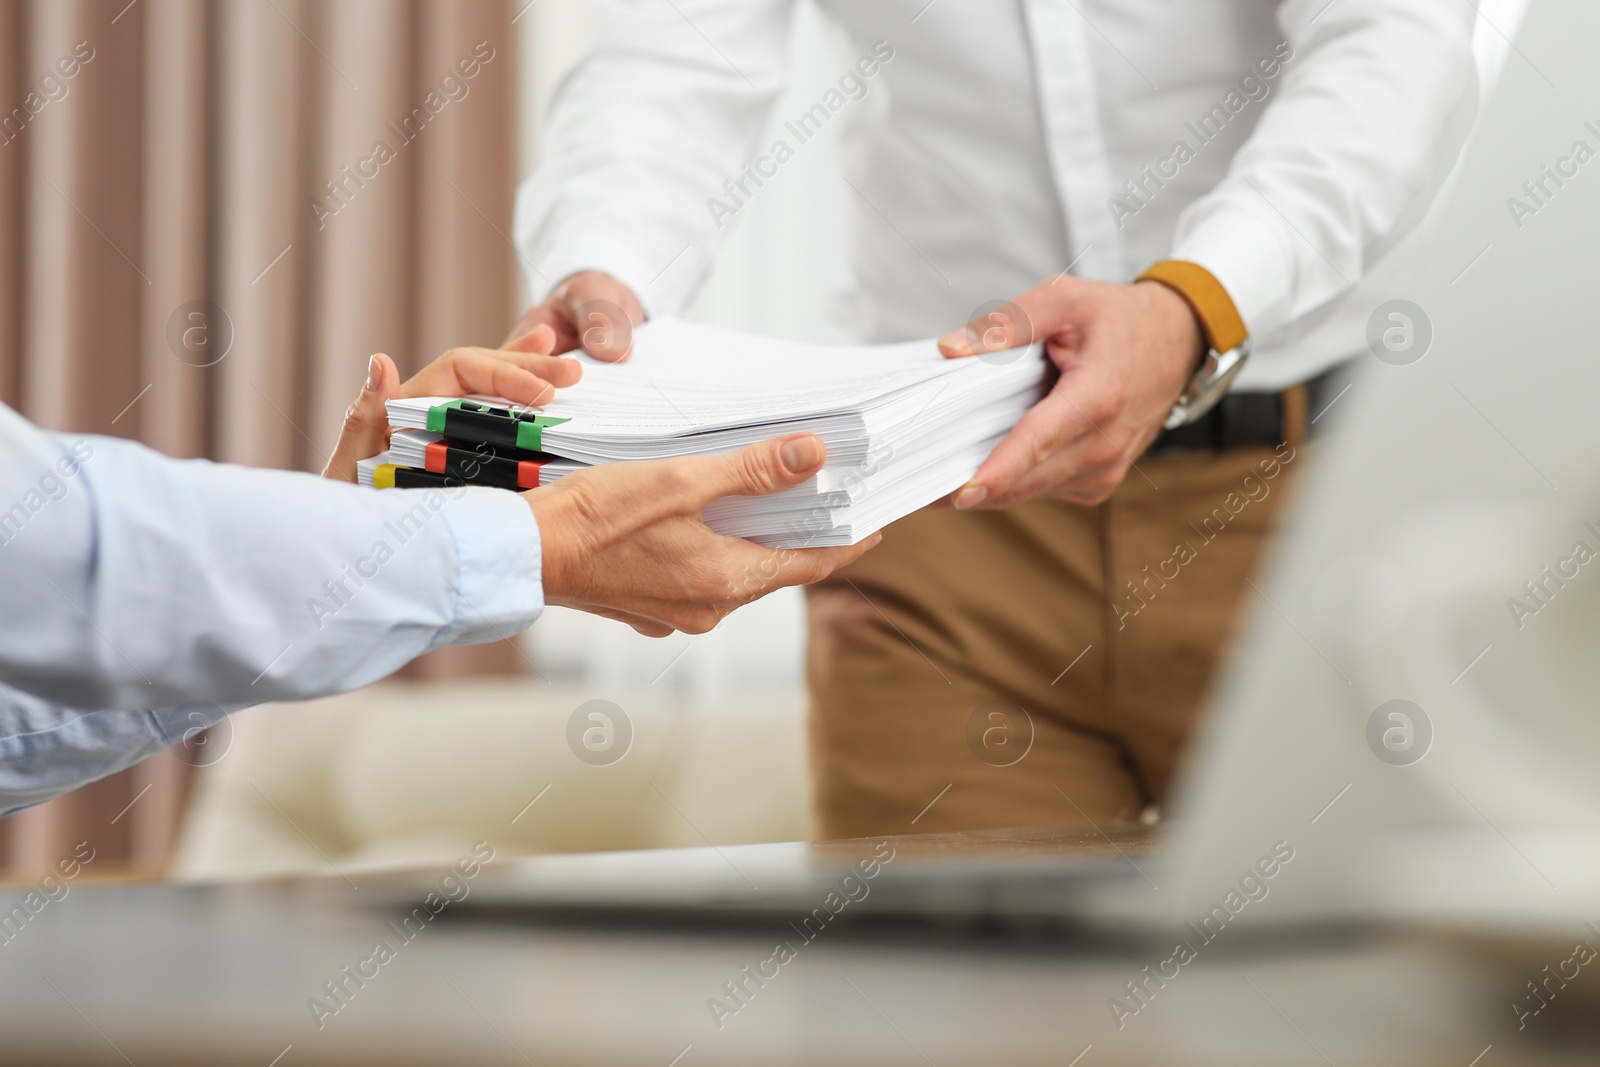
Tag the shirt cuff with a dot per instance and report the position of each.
(1249, 256)
(499, 563)
(566, 256)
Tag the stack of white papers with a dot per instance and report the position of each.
(903, 425)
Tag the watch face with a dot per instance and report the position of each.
(1209, 385)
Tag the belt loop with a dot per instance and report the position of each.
(1296, 413)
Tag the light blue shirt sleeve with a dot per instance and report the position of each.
(135, 582)
(47, 749)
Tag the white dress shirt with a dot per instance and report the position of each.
(145, 596)
(1007, 140)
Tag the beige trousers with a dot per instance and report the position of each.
(1038, 666)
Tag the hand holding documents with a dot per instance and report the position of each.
(628, 540)
(523, 376)
(903, 426)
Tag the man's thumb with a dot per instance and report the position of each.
(997, 327)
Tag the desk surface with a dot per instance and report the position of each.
(1107, 839)
(221, 975)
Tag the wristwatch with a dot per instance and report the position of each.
(1227, 340)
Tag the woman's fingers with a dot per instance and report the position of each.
(521, 377)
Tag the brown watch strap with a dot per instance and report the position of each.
(1219, 319)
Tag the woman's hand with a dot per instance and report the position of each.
(529, 376)
(625, 540)
(622, 540)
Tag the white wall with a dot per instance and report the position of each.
(775, 274)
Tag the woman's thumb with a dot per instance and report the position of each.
(767, 467)
(366, 423)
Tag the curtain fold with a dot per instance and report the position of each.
(205, 229)
(175, 414)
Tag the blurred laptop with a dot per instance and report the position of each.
(1408, 727)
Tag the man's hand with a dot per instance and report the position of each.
(530, 377)
(626, 540)
(1124, 352)
(589, 310)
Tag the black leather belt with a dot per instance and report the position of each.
(1244, 419)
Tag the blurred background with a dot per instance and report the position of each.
(195, 252)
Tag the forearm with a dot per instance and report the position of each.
(1372, 113)
(644, 133)
(141, 581)
(47, 749)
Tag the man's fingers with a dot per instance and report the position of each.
(1079, 473)
(523, 329)
(546, 327)
(589, 310)
(602, 313)
(560, 327)
(1043, 311)
(1047, 427)
(995, 330)
(1086, 470)
(605, 328)
(366, 424)
(531, 335)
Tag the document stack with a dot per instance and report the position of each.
(903, 425)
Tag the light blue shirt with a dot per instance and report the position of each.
(144, 596)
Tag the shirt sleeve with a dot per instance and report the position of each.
(47, 749)
(134, 581)
(1372, 114)
(646, 137)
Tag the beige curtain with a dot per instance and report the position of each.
(210, 214)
